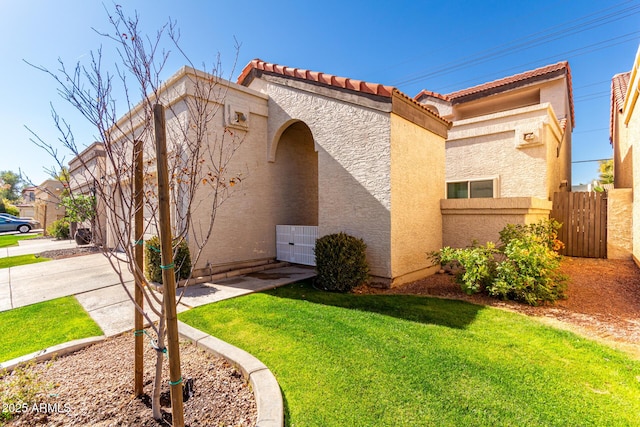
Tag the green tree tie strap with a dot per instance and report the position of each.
(171, 383)
(153, 248)
(167, 267)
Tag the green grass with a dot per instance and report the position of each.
(12, 239)
(14, 261)
(392, 360)
(38, 326)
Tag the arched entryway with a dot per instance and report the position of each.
(296, 161)
(296, 183)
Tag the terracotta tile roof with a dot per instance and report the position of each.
(425, 92)
(619, 85)
(519, 80)
(330, 80)
(314, 76)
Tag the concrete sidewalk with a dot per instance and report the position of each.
(98, 288)
(34, 246)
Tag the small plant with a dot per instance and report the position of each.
(19, 390)
(59, 229)
(153, 262)
(341, 262)
(478, 265)
(524, 268)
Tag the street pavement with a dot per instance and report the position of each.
(95, 284)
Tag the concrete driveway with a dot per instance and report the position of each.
(94, 283)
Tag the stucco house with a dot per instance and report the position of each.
(27, 200)
(47, 207)
(324, 153)
(508, 151)
(625, 137)
(85, 170)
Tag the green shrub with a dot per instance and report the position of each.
(524, 268)
(152, 260)
(341, 262)
(478, 265)
(529, 272)
(59, 229)
(10, 208)
(545, 230)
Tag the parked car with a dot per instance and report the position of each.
(6, 215)
(12, 223)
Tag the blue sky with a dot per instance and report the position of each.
(441, 46)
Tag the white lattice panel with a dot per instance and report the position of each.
(296, 243)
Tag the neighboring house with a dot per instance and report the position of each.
(26, 206)
(47, 202)
(86, 170)
(625, 139)
(618, 133)
(508, 152)
(510, 137)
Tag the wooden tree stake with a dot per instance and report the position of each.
(138, 179)
(168, 276)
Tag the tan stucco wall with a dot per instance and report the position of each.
(619, 223)
(353, 144)
(417, 184)
(492, 146)
(465, 220)
(631, 119)
(622, 154)
(244, 228)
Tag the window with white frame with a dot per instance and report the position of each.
(472, 189)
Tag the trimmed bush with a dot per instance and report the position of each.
(529, 273)
(524, 268)
(59, 229)
(153, 260)
(341, 262)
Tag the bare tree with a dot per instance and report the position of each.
(198, 154)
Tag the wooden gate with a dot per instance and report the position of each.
(584, 223)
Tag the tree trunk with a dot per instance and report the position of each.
(157, 384)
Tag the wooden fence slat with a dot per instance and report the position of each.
(596, 222)
(603, 226)
(590, 230)
(571, 225)
(580, 225)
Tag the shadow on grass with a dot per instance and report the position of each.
(421, 309)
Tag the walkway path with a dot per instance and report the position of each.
(97, 287)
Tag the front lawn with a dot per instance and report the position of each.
(14, 261)
(393, 360)
(12, 239)
(38, 326)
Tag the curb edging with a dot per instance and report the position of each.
(51, 352)
(265, 386)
